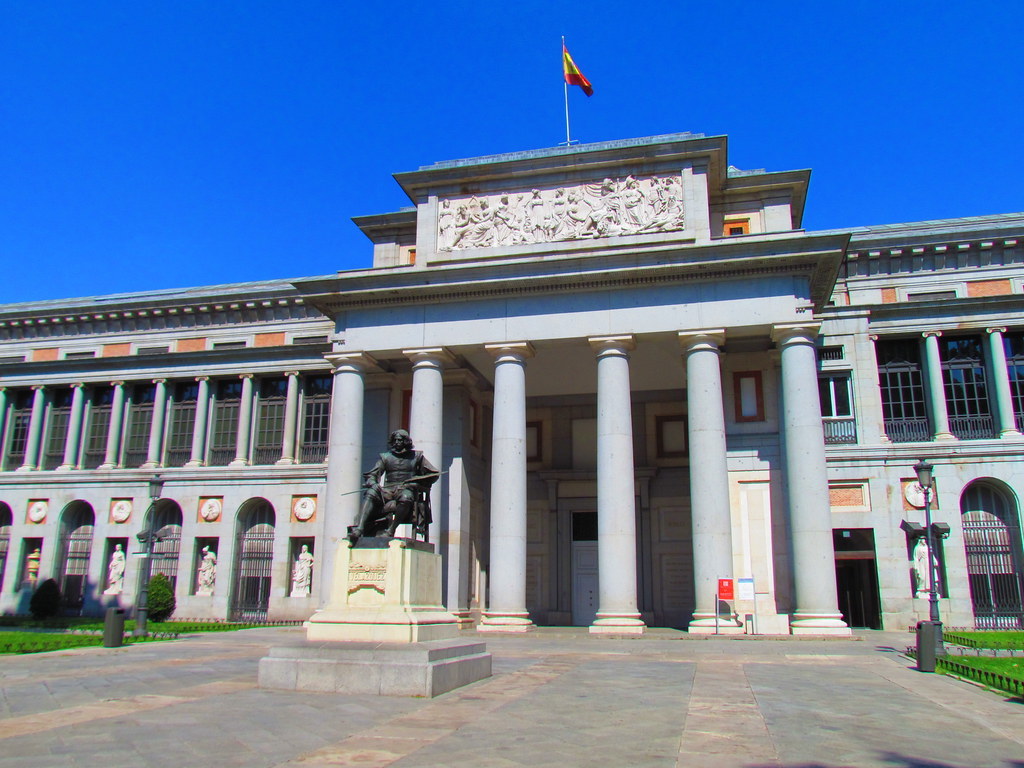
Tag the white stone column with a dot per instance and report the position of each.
(934, 386)
(616, 492)
(197, 458)
(810, 517)
(344, 459)
(709, 477)
(1005, 418)
(291, 418)
(113, 447)
(154, 452)
(35, 430)
(426, 420)
(506, 605)
(3, 431)
(73, 438)
(244, 433)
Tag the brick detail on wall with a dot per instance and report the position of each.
(989, 288)
(45, 355)
(846, 496)
(889, 296)
(269, 339)
(116, 350)
(190, 345)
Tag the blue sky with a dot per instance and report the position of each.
(171, 144)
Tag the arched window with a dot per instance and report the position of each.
(167, 526)
(992, 542)
(76, 527)
(5, 537)
(254, 560)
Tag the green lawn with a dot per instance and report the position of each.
(38, 642)
(1004, 673)
(994, 639)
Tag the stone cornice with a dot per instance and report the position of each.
(816, 257)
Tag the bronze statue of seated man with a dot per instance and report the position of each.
(406, 475)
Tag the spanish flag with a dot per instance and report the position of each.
(573, 76)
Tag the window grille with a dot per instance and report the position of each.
(310, 340)
(17, 438)
(254, 561)
(902, 387)
(166, 551)
(98, 426)
(1013, 343)
(75, 547)
(182, 423)
(140, 420)
(152, 350)
(223, 431)
(270, 420)
(966, 391)
(830, 353)
(837, 409)
(992, 544)
(316, 418)
(57, 429)
(5, 538)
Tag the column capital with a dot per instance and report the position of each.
(996, 329)
(77, 384)
(291, 373)
(873, 337)
(245, 375)
(784, 333)
(159, 381)
(348, 362)
(202, 378)
(433, 356)
(612, 344)
(705, 338)
(37, 387)
(118, 383)
(929, 334)
(519, 350)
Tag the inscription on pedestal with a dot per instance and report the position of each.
(361, 575)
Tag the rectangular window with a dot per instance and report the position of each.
(224, 427)
(900, 380)
(1013, 344)
(182, 423)
(270, 420)
(57, 428)
(98, 425)
(316, 418)
(535, 441)
(748, 396)
(964, 382)
(140, 419)
(837, 409)
(736, 227)
(17, 437)
(671, 434)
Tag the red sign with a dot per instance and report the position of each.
(725, 590)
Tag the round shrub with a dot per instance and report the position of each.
(45, 603)
(161, 598)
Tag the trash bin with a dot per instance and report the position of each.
(113, 628)
(926, 643)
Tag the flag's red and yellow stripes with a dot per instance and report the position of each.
(573, 76)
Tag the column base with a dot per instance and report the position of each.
(25, 468)
(285, 461)
(65, 468)
(705, 624)
(943, 436)
(195, 463)
(239, 463)
(625, 624)
(1010, 433)
(150, 465)
(505, 622)
(106, 466)
(823, 624)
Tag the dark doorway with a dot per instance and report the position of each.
(857, 577)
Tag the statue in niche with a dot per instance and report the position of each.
(302, 573)
(396, 491)
(207, 572)
(922, 573)
(115, 572)
(32, 566)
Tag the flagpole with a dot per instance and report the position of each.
(565, 87)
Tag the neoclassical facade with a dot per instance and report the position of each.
(639, 374)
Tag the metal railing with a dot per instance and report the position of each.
(840, 431)
(266, 455)
(315, 453)
(908, 430)
(972, 427)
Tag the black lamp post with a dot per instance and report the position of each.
(147, 537)
(924, 479)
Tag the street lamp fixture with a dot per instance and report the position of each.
(147, 538)
(929, 632)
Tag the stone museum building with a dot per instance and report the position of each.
(637, 370)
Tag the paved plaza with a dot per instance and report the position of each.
(557, 698)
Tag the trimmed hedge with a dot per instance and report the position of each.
(31, 642)
(1004, 674)
(994, 639)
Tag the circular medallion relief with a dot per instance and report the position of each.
(303, 508)
(121, 510)
(210, 510)
(914, 494)
(37, 511)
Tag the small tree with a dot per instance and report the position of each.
(45, 603)
(161, 598)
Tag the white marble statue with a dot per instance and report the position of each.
(207, 572)
(922, 573)
(302, 573)
(611, 207)
(115, 572)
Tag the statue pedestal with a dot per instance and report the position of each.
(383, 632)
(384, 590)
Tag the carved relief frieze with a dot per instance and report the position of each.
(632, 205)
